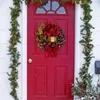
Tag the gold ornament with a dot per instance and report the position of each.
(52, 39)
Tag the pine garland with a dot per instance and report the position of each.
(86, 42)
(45, 1)
(13, 51)
(83, 87)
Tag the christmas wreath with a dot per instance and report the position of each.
(50, 38)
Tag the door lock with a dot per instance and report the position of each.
(29, 60)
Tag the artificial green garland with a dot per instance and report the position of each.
(84, 85)
(86, 42)
(44, 1)
(13, 51)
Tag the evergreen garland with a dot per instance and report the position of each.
(45, 1)
(85, 77)
(86, 42)
(13, 51)
(83, 87)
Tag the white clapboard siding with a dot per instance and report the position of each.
(96, 37)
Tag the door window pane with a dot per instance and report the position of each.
(55, 5)
(51, 7)
(47, 6)
(61, 10)
(40, 11)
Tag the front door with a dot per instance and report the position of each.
(50, 78)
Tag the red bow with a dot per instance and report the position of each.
(51, 51)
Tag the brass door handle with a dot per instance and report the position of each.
(29, 60)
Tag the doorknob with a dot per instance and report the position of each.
(29, 60)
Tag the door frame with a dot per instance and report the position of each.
(24, 47)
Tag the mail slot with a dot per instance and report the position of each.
(97, 67)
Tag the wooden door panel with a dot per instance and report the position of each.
(40, 81)
(60, 79)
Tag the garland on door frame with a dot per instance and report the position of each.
(83, 88)
(86, 41)
(62, 1)
(13, 51)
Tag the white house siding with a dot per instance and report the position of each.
(4, 43)
(96, 37)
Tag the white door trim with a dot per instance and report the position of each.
(24, 46)
(77, 44)
(77, 39)
(24, 51)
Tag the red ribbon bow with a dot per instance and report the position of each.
(51, 51)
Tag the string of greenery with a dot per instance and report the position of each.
(83, 87)
(44, 1)
(13, 51)
(86, 41)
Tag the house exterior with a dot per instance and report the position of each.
(34, 57)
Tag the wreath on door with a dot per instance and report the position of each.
(50, 38)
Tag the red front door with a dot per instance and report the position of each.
(50, 78)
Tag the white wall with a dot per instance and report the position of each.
(4, 43)
(4, 59)
(96, 37)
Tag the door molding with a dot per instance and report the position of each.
(24, 47)
(77, 44)
(24, 51)
(77, 39)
